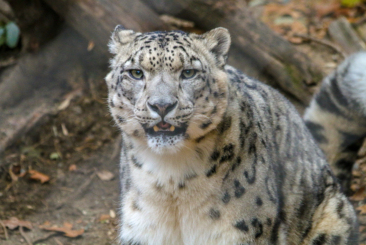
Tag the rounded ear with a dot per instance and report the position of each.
(218, 42)
(120, 37)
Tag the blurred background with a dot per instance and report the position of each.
(59, 147)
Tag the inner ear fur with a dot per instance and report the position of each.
(218, 41)
(121, 37)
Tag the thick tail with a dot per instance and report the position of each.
(336, 116)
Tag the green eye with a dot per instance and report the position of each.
(186, 74)
(137, 74)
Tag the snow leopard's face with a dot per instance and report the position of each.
(168, 87)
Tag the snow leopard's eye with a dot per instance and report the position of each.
(136, 74)
(189, 73)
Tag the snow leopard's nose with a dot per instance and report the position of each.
(162, 108)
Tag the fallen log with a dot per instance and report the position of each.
(96, 19)
(279, 60)
(30, 89)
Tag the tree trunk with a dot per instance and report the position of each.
(96, 19)
(30, 89)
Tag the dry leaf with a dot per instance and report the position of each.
(362, 163)
(68, 97)
(171, 20)
(359, 195)
(355, 187)
(68, 225)
(90, 45)
(13, 176)
(361, 229)
(362, 151)
(64, 104)
(46, 223)
(66, 229)
(362, 209)
(105, 175)
(112, 214)
(64, 129)
(38, 176)
(14, 222)
(356, 173)
(72, 167)
(323, 9)
(104, 217)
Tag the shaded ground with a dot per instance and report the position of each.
(78, 196)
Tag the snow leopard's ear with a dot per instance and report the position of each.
(121, 37)
(217, 41)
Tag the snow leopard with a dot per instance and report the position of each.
(212, 156)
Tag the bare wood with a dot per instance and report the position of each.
(34, 71)
(291, 69)
(323, 42)
(96, 19)
(30, 89)
(342, 33)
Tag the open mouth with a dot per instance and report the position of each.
(164, 128)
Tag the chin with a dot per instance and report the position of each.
(166, 145)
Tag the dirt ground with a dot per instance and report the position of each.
(81, 136)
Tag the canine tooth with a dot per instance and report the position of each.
(156, 129)
(172, 128)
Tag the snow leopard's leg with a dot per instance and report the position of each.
(336, 116)
(334, 223)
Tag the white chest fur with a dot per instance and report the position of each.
(172, 202)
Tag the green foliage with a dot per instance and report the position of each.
(12, 34)
(9, 34)
(350, 3)
(54, 156)
(2, 36)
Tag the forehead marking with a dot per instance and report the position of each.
(161, 47)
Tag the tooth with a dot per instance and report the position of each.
(172, 128)
(156, 129)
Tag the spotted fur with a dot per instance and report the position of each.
(241, 167)
(337, 116)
